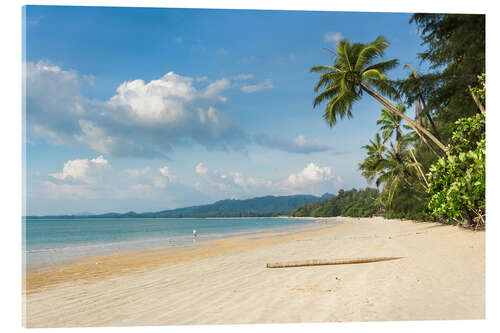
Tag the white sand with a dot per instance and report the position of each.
(441, 277)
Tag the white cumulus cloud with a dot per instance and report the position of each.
(143, 119)
(82, 170)
(214, 88)
(312, 173)
(313, 178)
(154, 178)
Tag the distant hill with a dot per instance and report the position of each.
(260, 206)
(84, 214)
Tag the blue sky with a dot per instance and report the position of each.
(149, 109)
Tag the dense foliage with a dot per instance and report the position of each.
(357, 203)
(457, 181)
(455, 50)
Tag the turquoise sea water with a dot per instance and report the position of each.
(53, 241)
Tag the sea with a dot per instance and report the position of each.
(49, 242)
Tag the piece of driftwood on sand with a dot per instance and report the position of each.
(330, 262)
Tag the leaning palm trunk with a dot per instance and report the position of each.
(399, 134)
(424, 140)
(417, 165)
(418, 110)
(391, 107)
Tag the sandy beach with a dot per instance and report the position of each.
(441, 276)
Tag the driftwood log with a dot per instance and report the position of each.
(329, 262)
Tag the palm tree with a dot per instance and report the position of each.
(353, 73)
(390, 123)
(372, 165)
(394, 173)
(376, 148)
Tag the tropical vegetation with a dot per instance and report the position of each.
(457, 181)
(359, 203)
(431, 165)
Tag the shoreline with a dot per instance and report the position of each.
(441, 276)
(61, 253)
(36, 279)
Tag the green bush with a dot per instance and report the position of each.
(457, 181)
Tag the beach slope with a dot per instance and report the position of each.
(441, 276)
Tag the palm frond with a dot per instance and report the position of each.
(327, 79)
(328, 93)
(370, 52)
(340, 105)
(387, 133)
(323, 69)
(373, 74)
(385, 87)
(383, 66)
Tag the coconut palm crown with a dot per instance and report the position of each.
(390, 123)
(352, 71)
(371, 166)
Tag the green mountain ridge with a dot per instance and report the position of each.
(254, 207)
